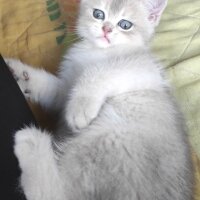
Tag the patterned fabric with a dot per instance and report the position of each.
(33, 31)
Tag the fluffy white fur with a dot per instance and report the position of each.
(129, 141)
(38, 162)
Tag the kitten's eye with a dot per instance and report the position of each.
(98, 14)
(125, 24)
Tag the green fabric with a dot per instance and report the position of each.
(177, 43)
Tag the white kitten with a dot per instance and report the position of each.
(130, 141)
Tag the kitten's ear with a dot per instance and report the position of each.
(155, 9)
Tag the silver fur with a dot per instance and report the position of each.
(129, 140)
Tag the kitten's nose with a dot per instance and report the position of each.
(106, 29)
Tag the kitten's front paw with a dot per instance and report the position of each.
(21, 74)
(81, 112)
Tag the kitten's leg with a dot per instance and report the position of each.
(87, 98)
(37, 85)
(82, 109)
(40, 177)
(92, 90)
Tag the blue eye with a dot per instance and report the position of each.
(98, 14)
(125, 24)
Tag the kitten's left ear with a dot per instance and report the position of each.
(155, 9)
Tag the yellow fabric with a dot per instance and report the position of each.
(33, 31)
(29, 30)
(177, 43)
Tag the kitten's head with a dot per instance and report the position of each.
(108, 23)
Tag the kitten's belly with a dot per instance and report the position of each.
(143, 121)
(139, 108)
(135, 141)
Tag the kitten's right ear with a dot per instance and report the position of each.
(155, 9)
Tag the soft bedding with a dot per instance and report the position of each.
(36, 30)
(177, 43)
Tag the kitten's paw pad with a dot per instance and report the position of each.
(23, 82)
(25, 75)
(81, 112)
(21, 74)
(29, 142)
(17, 68)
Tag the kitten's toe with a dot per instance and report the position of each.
(18, 69)
(27, 93)
(22, 75)
(25, 75)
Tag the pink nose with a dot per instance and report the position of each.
(106, 29)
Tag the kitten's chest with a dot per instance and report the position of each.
(87, 57)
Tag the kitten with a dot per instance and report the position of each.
(129, 140)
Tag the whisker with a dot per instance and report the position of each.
(71, 41)
(71, 14)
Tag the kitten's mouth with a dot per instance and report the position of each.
(104, 38)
